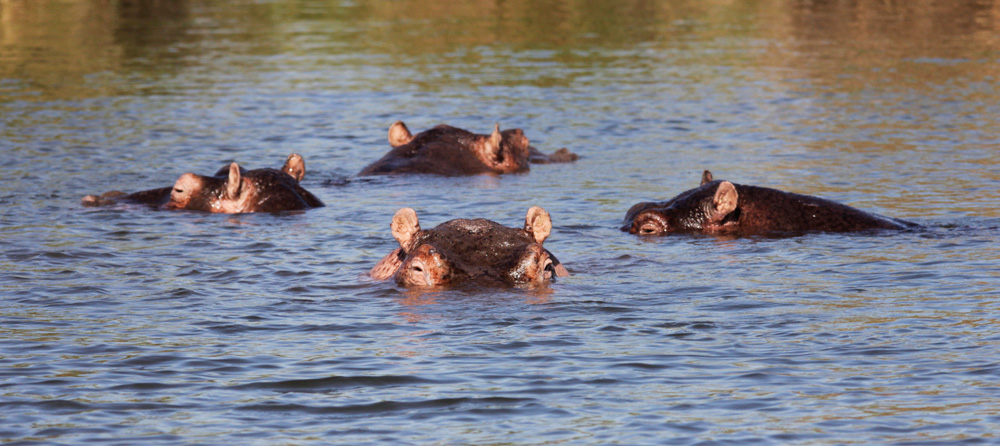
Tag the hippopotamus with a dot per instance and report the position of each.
(722, 207)
(231, 190)
(464, 251)
(451, 151)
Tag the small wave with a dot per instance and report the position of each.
(338, 382)
(383, 407)
(49, 406)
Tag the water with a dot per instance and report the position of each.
(131, 326)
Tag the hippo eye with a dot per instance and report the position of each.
(648, 228)
(417, 269)
(180, 191)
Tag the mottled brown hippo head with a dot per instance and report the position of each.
(465, 251)
(242, 191)
(722, 207)
(232, 189)
(447, 150)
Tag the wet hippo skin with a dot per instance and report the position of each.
(465, 251)
(232, 189)
(722, 207)
(451, 151)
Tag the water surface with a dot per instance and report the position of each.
(133, 326)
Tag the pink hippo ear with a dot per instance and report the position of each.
(399, 135)
(295, 166)
(724, 201)
(235, 182)
(404, 227)
(538, 223)
(388, 266)
(492, 144)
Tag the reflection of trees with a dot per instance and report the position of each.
(919, 23)
(61, 49)
(858, 45)
(56, 46)
(41, 42)
(423, 26)
(151, 23)
(852, 45)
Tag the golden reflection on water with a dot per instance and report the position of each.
(850, 45)
(859, 74)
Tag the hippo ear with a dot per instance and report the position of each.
(493, 143)
(234, 183)
(706, 177)
(399, 135)
(295, 166)
(405, 226)
(388, 266)
(538, 223)
(725, 200)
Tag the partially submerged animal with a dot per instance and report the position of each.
(231, 190)
(722, 207)
(470, 251)
(447, 150)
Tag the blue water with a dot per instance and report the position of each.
(124, 325)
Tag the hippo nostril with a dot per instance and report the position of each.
(180, 191)
(417, 269)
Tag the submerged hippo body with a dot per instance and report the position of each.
(721, 207)
(451, 151)
(231, 190)
(464, 251)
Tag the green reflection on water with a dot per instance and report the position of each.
(55, 49)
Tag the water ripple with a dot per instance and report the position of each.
(129, 325)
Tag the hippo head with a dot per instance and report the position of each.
(710, 207)
(229, 190)
(237, 190)
(721, 207)
(508, 151)
(477, 251)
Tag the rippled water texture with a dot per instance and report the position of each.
(132, 326)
